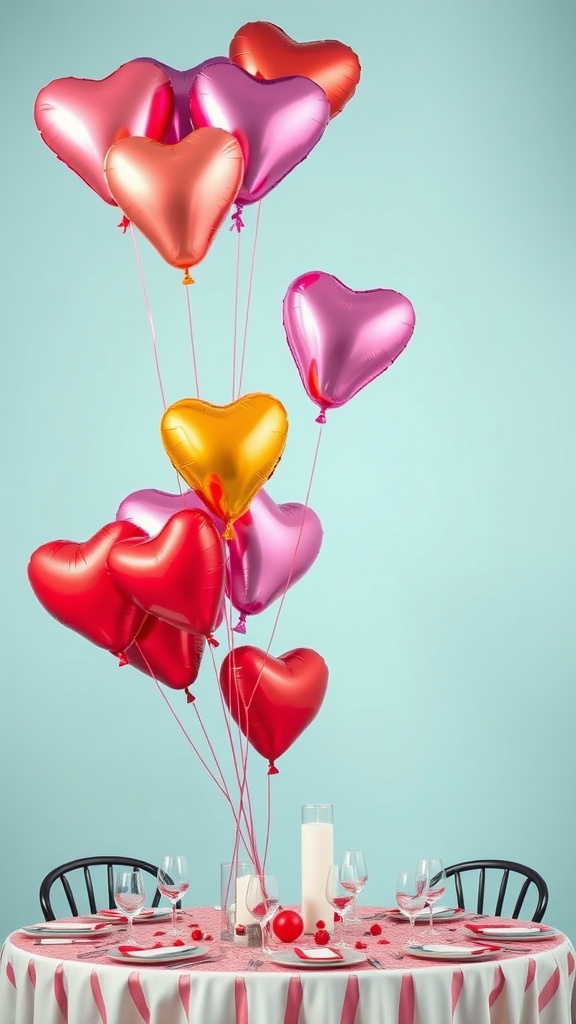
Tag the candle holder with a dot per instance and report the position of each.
(317, 843)
(230, 904)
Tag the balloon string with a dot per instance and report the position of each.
(249, 296)
(241, 779)
(222, 787)
(268, 820)
(235, 335)
(293, 562)
(148, 313)
(191, 330)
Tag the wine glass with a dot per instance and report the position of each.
(433, 870)
(262, 901)
(357, 860)
(411, 896)
(173, 883)
(129, 895)
(341, 889)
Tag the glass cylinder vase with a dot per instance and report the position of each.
(317, 845)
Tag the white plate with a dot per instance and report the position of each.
(168, 955)
(440, 914)
(493, 932)
(63, 931)
(349, 958)
(155, 914)
(434, 951)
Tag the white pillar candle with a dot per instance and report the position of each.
(317, 859)
(243, 915)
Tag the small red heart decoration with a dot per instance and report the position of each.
(178, 575)
(266, 51)
(80, 118)
(73, 584)
(169, 655)
(273, 700)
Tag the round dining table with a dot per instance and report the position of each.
(74, 983)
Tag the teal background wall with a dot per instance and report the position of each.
(443, 598)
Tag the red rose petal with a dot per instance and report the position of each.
(360, 945)
(375, 929)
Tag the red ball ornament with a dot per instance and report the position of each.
(322, 937)
(287, 926)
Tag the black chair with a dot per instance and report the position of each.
(527, 877)
(83, 865)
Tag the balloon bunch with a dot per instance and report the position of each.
(175, 150)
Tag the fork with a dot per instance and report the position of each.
(376, 963)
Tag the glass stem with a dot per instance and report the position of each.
(129, 930)
(174, 917)
(431, 917)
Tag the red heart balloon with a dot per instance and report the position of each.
(273, 699)
(266, 51)
(169, 655)
(178, 575)
(72, 582)
(80, 118)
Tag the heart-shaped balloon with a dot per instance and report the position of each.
(342, 339)
(277, 123)
(181, 82)
(73, 584)
(151, 509)
(225, 452)
(273, 699)
(266, 51)
(178, 196)
(274, 547)
(177, 576)
(80, 118)
(171, 656)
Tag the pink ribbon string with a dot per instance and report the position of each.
(192, 344)
(249, 296)
(148, 313)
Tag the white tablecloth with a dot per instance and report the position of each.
(47, 985)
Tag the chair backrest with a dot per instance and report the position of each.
(504, 872)
(78, 873)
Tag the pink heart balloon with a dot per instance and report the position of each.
(274, 547)
(80, 118)
(150, 509)
(181, 82)
(342, 339)
(277, 123)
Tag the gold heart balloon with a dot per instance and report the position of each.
(225, 453)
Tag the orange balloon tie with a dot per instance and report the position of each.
(187, 279)
(229, 532)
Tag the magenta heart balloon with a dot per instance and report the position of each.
(80, 118)
(341, 339)
(274, 547)
(150, 509)
(181, 82)
(277, 122)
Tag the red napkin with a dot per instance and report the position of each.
(479, 929)
(137, 949)
(305, 954)
(486, 949)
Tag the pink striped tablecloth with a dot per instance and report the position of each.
(48, 984)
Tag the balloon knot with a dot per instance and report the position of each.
(237, 222)
(322, 417)
(240, 626)
(213, 641)
(187, 279)
(272, 769)
(122, 659)
(190, 698)
(124, 224)
(229, 532)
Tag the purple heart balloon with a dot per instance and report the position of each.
(274, 547)
(341, 339)
(277, 122)
(181, 82)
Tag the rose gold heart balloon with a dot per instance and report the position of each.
(225, 452)
(80, 118)
(177, 195)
